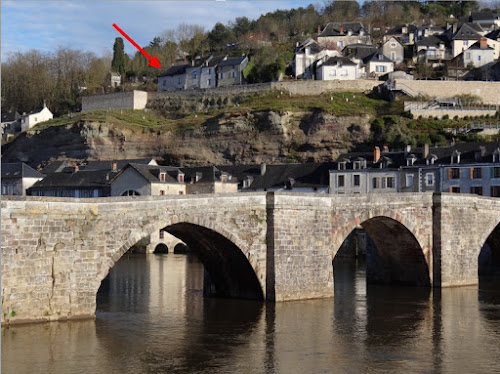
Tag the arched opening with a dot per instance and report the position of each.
(131, 193)
(181, 248)
(393, 254)
(489, 261)
(161, 249)
(228, 272)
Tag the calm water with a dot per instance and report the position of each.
(152, 318)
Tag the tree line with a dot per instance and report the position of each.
(60, 78)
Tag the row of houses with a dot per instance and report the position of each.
(347, 48)
(458, 168)
(203, 73)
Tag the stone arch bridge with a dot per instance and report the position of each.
(270, 246)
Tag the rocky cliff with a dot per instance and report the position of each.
(244, 137)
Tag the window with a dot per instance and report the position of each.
(393, 45)
(375, 183)
(343, 72)
(429, 179)
(390, 182)
(380, 68)
(221, 75)
(209, 82)
(495, 191)
(357, 180)
(476, 190)
(476, 173)
(393, 56)
(479, 58)
(233, 74)
(466, 43)
(409, 180)
(467, 55)
(453, 173)
(179, 80)
(356, 165)
(162, 192)
(340, 181)
(383, 182)
(340, 43)
(162, 177)
(333, 73)
(495, 172)
(180, 178)
(162, 234)
(195, 73)
(341, 166)
(209, 70)
(455, 189)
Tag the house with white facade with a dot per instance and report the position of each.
(377, 64)
(338, 68)
(306, 55)
(230, 71)
(31, 119)
(479, 54)
(394, 50)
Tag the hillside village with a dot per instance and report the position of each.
(466, 49)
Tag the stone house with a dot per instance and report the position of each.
(494, 42)
(465, 37)
(338, 68)
(209, 179)
(230, 71)
(433, 49)
(18, 177)
(193, 72)
(403, 33)
(37, 116)
(173, 79)
(208, 72)
(139, 179)
(115, 80)
(11, 123)
(393, 49)
(339, 34)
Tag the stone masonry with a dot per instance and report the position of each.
(272, 246)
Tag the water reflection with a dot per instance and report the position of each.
(152, 318)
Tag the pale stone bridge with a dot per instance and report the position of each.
(270, 246)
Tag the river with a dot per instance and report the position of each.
(152, 318)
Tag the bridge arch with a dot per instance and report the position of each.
(161, 248)
(489, 254)
(398, 257)
(226, 258)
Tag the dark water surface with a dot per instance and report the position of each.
(152, 318)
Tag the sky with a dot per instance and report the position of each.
(86, 25)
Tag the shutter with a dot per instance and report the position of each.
(471, 173)
(449, 173)
(451, 189)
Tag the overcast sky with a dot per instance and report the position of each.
(87, 24)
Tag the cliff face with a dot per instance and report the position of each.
(247, 137)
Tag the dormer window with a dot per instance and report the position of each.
(496, 155)
(162, 176)
(197, 177)
(455, 157)
(431, 159)
(410, 160)
(341, 165)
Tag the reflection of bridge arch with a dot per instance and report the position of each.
(397, 257)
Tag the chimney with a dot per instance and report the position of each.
(75, 168)
(114, 166)
(426, 150)
(407, 149)
(483, 43)
(385, 148)
(263, 168)
(376, 154)
(341, 28)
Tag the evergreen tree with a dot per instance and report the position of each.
(119, 61)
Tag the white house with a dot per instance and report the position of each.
(31, 119)
(338, 68)
(377, 64)
(479, 54)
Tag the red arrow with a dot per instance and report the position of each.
(153, 61)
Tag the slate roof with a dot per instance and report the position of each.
(477, 45)
(174, 70)
(310, 43)
(82, 179)
(359, 51)
(312, 175)
(341, 60)
(215, 61)
(17, 170)
(399, 29)
(495, 34)
(333, 29)
(232, 61)
(10, 116)
(377, 56)
(152, 172)
(432, 41)
(207, 174)
(468, 31)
